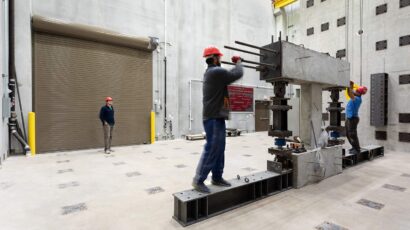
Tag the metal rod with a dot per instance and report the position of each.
(247, 66)
(256, 47)
(257, 63)
(244, 51)
(21, 140)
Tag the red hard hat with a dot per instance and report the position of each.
(362, 90)
(212, 50)
(108, 99)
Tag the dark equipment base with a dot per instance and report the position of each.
(231, 132)
(367, 153)
(191, 206)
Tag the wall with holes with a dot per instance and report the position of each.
(374, 37)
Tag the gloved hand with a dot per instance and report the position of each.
(236, 59)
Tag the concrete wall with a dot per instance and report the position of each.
(191, 26)
(394, 61)
(3, 80)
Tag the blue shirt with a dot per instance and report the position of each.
(352, 108)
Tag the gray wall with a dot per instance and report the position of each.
(3, 80)
(191, 26)
(394, 61)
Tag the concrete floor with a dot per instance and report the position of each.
(90, 190)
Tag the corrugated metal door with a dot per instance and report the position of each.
(71, 79)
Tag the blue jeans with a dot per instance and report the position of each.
(213, 156)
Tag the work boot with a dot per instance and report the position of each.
(221, 182)
(354, 151)
(200, 187)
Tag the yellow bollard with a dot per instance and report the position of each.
(32, 132)
(152, 127)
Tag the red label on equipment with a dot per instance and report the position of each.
(240, 98)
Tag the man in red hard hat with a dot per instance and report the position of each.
(352, 116)
(215, 112)
(108, 122)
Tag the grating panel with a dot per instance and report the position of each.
(325, 26)
(74, 208)
(380, 135)
(378, 99)
(310, 31)
(404, 3)
(381, 9)
(404, 79)
(180, 166)
(330, 226)
(69, 184)
(394, 187)
(249, 169)
(65, 171)
(404, 137)
(309, 3)
(5, 185)
(404, 117)
(404, 40)
(341, 21)
(161, 158)
(155, 190)
(371, 204)
(63, 161)
(132, 174)
(381, 45)
(341, 53)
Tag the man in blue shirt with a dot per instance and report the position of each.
(352, 116)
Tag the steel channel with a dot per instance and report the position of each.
(257, 63)
(244, 51)
(256, 47)
(247, 66)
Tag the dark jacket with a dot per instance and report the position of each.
(107, 115)
(215, 90)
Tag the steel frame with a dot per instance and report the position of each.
(366, 154)
(191, 206)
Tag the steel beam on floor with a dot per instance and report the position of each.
(367, 153)
(191, 206)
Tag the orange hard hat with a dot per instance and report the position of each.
(212, 50)
(108, 99)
